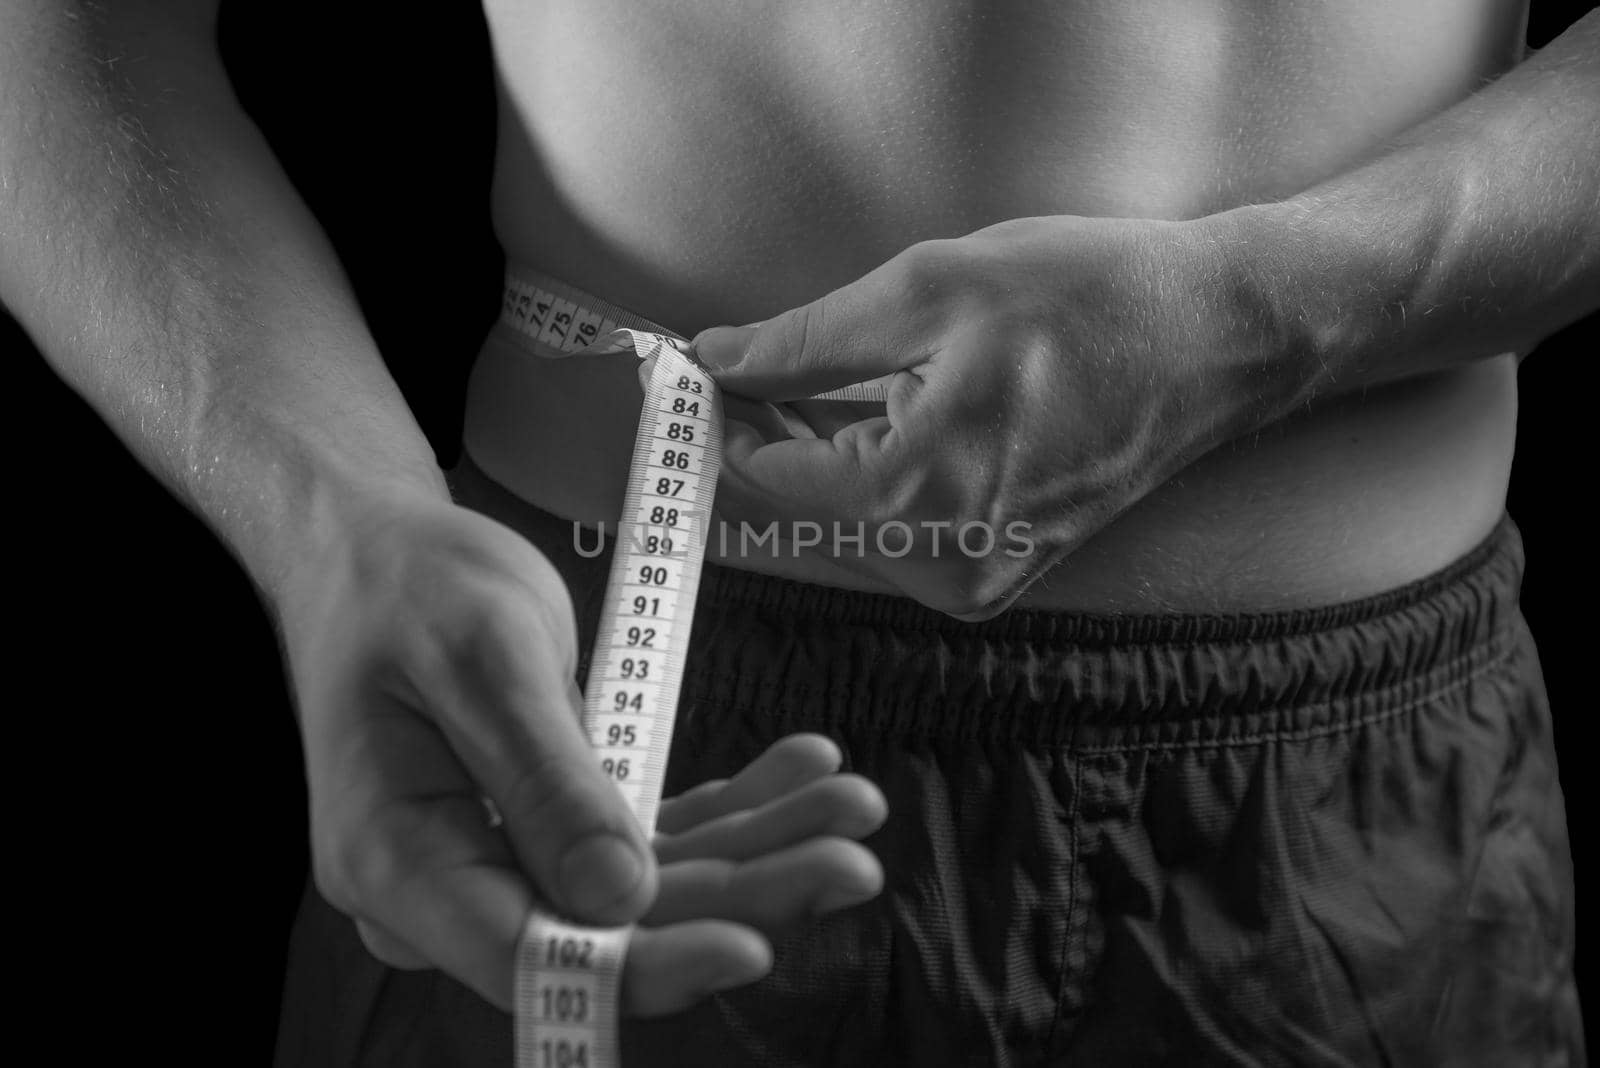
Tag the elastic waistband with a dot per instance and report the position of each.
(1104, 681)
(821, 657)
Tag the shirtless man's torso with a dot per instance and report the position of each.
(700, 165)
(1228, 297)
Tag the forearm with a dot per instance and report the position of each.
(1477, 234)
(156, 253)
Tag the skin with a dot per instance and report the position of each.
(427, 675)
(816, 152)
(1213, 296)
(157, 256)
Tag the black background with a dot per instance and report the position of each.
(160, 816)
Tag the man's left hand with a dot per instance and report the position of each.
(1047, 374)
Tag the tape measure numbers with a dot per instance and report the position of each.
(568, 977)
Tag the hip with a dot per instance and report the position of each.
(1332, 835)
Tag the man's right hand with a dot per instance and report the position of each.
(433, 655)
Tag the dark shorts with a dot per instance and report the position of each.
(1319, 837)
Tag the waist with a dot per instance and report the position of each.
(1359, 496)
(1155, 678)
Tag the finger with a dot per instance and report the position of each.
(693, 806)
(825, 418)
(787, 764)
(766, 419)
(851, 475)
(771, 892)
(466, 913)
(387, 948)
(830, 343)
(794, 424)
(435, 871)
(790, 762)
(669, 969)
(855, 500)
(845, 806)
(516, 728)
(772, 421)
(401, 842)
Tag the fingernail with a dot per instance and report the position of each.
(723, 346)
(600, 871)
(729, 979)
(743, 972)
(844, 897)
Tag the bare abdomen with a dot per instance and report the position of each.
(704, 167)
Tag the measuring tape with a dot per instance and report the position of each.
(568, 977)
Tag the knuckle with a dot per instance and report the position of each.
(491, 627)
(493, 634)
(543, 588)
(979, 588)
(925, 270)
(330, 884)
(385, 949)
(361, 869)
(379, 948)
(328, 872)
(492, 590)
(418, 652)
(897, 485)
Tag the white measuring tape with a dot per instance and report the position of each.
(568, 977)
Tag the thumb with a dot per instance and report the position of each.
(570, 825)
(517, 729)
(831, 343)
